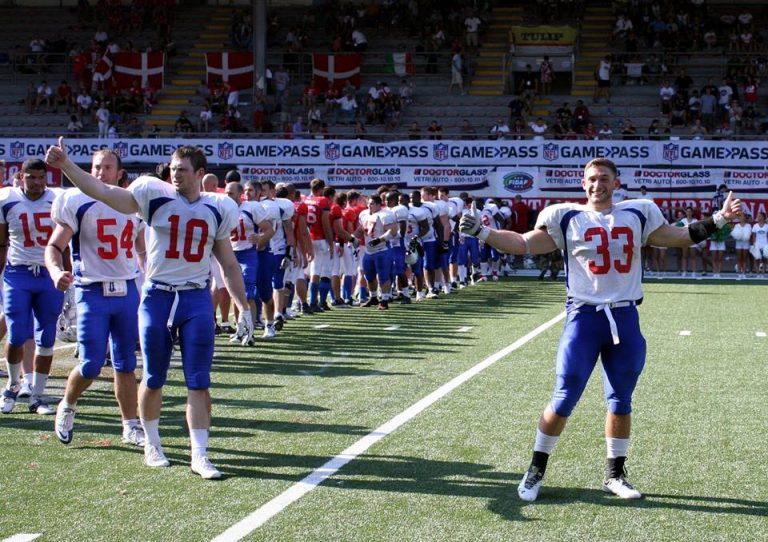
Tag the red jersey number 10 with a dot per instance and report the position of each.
(191, 253)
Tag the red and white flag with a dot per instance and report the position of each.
(145, 68)
(233, 68)
(103, 69)
(333, 71)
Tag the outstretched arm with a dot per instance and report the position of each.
(118, 198)
(673, 236)
(537, 241)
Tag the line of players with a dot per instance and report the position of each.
(270, 243)
(338, 249)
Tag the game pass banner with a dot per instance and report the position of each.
(421, 153)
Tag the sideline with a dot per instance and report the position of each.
(267, 511)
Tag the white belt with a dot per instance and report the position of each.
(606, 307)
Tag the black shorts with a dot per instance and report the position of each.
(603, 83)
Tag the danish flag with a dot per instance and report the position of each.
(233, 68)
(332, 71)
(146, 68)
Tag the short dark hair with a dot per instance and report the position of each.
(329, 192)
(196, 156)
(239, 186)
(375, 198)
(281, 191)
(316, 185)
(353, 195)
(269, 184)
(393, 197)
(232, 176)
(33, 164)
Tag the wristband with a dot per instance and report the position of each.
(720, 220)
(527, 245)
(483, 234)
(702, 230)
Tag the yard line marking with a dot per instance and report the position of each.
(267, 511)
(22, 537)
(760, 334)
(464, 329)
(685, 333)
(322, 326)
(62, 347)
(392, 328)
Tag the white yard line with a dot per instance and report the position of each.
(392, 328)
(760, 333)
(322, 326)
(464, 329)
(21, 537)
(259, 517)
(685, 333)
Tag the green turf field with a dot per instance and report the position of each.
(284, 408)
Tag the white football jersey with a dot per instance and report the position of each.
(401, 215)
(181, 233)
(602, 250)
(104, 242)
(416, 215)
(760, 233)
(374, 226)
(29, 224)
(250, 214)
(488, 215)
(277, 211)
(434, 213)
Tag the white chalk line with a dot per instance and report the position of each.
(270, 509)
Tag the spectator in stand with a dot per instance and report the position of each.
(112, 131)
(528, 88)
(299, 129)
(315, 116)
(203, 125)
(590, 131)
(434, 130)
(472, 26)
(697, 130)
(724, 131)
(406, 92)
(359, 41)
(64, 98)
(347, 109)
(564, 113)
(750, 91)
(457, 64)
(708, 108)
(603, 80)
(694, 105)
(516, 107)
(101, 37)
(74, 126)
(683, 82)
(546, 75)
(311, 94)
(654, 130)
(628, 129)
(467, 131)
(666, 93)
(538, 129)
(183, 124)
(581, 116)
(102, 117)
(414, 132)
(84, 103)
(281, 79)
(735, 112)
(500, 130)
(724, 99)
(621, 28)
(518, 131)
(605, 132)
(134, 127)
(678, 115)
(44, 95)
(360, 131)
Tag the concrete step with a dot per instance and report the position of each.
(180, 92)
(172, 101)
(581, 92)
(485, 92)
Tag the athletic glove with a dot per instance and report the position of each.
(471, 224)
(374, 242)
(244, 333)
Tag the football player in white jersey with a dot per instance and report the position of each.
(489, 256)
(251, 235)
(438, 244)
(186, 227)
(221, 299)
(25, 227)
(418, 234)
(400, 213)
(106, 247)
(601, 242)
(378, 228)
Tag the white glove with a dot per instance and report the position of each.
(471, 224)
(244, 333)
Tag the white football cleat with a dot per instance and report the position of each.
(269, 331)
(154, 457)
(134, 434)
(621, 488)
(9, 399)
(65, 422)
(38, 406)
(529, 486)
(25, 390)
(202, 466)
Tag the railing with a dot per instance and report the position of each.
(25, 66)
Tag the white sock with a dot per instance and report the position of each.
(406, 291)
(39, 380)
(544, 443)
(14, 374)
(616, 447)
(462, 273)
(63, 403)
(128, 424)
(152, 431)
(199, 440)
